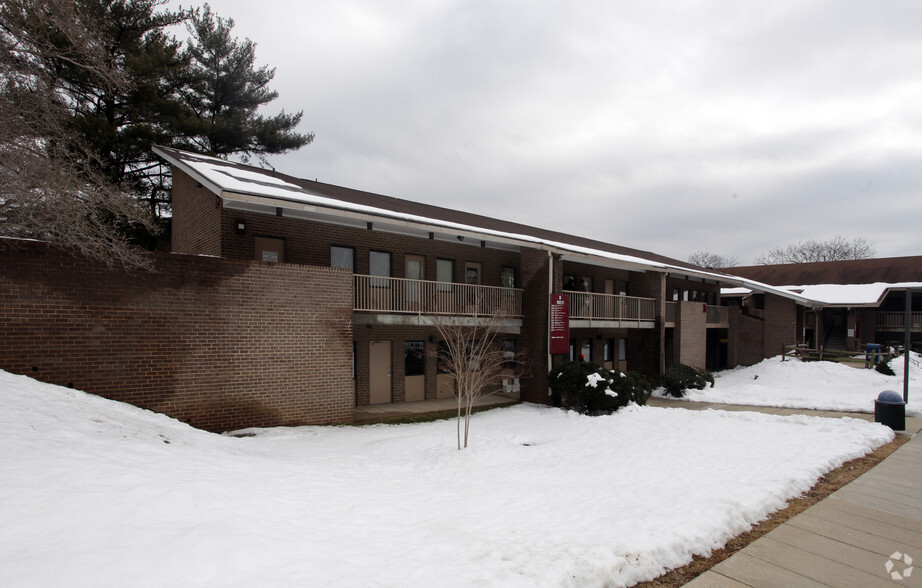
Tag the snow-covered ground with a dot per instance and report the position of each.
(98, 493)
(820, 385)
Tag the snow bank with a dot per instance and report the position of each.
(818, 385)
(97, 493)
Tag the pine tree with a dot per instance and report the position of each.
(51, 182)
(227, 91)
(122, 123)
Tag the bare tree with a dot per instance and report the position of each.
(472, 353)
(837, 248)
(50, 188)
(707, 259)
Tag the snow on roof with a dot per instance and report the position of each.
(839, 294)
(226, 178)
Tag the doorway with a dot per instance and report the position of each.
(379, 377)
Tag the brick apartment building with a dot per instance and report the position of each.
(288, 301)
(630, 309)
(855, 301)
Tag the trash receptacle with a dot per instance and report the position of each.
(872, 355)
(890, 410)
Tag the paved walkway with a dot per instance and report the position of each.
(382, 413)
(846, 539)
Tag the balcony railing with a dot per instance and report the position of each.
(403, 296)
(896, 321)
(589, 305)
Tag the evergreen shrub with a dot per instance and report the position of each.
(680, 377)
(590, 389)
(884, 368)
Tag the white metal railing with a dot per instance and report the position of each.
(401, 295)
(589, 305)
(718, 314)
(897, 320)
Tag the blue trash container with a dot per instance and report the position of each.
(890, 410)
(873, 350)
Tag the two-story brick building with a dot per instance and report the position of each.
(411, 262)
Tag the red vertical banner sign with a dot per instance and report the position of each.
(560, 324)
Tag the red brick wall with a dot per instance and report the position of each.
(535, 271)
(308, 242)
(196, 220)
(220, 344)
(746, 336)
(691, 334)
(646, 347)
(780, 325)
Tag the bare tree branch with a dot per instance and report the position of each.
(472, 353)
(49, 189)
(707, 259)
(838, 248)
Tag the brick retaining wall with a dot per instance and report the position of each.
(220, 344)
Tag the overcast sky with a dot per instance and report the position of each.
(728, 126)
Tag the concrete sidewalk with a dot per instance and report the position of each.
(845, 540)
(382, 413)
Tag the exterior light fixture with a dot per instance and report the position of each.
(240, 226)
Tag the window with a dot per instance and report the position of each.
(442, 365)
(608, 350)
(585, 350)
(622, 349)
(472, 273)
(444, 272)
(507, 279)
(569, 282)
(342, 257)
(509, 354)
(414, 358)
(379, 263)
(675, 294)
(622, 288)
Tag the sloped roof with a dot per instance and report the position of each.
(888, 270)
(231, 180)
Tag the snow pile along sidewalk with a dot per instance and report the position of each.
(97, 493)
(817, 385)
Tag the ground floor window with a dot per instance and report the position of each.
(414, 358)
(608, 350)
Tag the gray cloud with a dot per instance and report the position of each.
(728, 126)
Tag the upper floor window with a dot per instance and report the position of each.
(379, 264)
(507, 278)
(444, 272)
(472, 273)
(342, 257)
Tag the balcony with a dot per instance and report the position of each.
(588, 309)
(896, 321)
(718, 317)
(382, 300)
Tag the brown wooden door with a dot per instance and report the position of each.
(379, 372)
